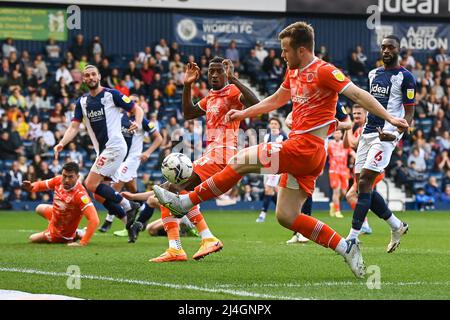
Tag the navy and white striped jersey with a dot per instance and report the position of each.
(102, 115)
(269, 137)
(394, 89)
(135, 141)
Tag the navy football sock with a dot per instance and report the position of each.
(108, 193)
(379, 206)
(146, 214)
(362, 207)
(114, 209)
(266, 203)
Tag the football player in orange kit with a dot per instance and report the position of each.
(339, 173)
(313, 86)
(227, 93)
(70, 203)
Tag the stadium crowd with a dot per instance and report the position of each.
(38, 95)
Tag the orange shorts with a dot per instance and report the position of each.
(300, 160)
(213, 161)
(338, 180)
(377, 180)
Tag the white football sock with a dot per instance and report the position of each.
(175, 244)
(394, 222)
(206, 234)
(341, 247)
(353, 234)
(110, 217)
(186, 201)
(125, 204)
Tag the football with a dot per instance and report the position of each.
(176, 168)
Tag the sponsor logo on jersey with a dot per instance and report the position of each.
(299, 99)
(96, 115)
(410, 93)
(338, 75)
(379, 91)
(126, 99)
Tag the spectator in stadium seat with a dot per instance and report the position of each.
(47, 135)
(433, 105)
(232, 52)
(144, 55)
(55, 167)
(253, 67)
(261, 53)
(442, 56)
(61, 90)
(17, 195)
(147, 75)
(208, 53)
(137, 89)
(25, 61)
(5, 124)
(176, 66)
(17, 99)
(40, 69)
(75, 155)
(445, 196)
(78, 48)
(14, 63)
(8, 149)
(113, 79)
(277, 71)
(5, 204)
(418, 157)
(30, 81)
(170, 88)
(8, 47)
(14, 176)
(122, 87)
(35, 130)
(361, 57)
(70, 60)
(44, 101)
(322, 53)
(423, 201)
(52, 49)
(247, 195)
(44, 172)
(22, 127)
(356, 67)
(418, 72)
(104, 70)
(163, 49)
(173, 50)
(442, 162)
(84, 61)
(432, 189)
(216, 51)
(76, 73)
(96, 47)
(163, 65)
(132, 71)
(63, 72)
(421, 107)
(268, 61)
(444, 140)
(15, 80)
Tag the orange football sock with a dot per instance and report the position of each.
(215, 186)
(316, 231)
(337, 206)
(171, 227)
(353, 205)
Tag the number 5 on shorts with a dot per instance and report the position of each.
(101, 161)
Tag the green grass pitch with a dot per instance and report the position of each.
(255, 263)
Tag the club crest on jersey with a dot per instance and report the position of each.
(338, 75)
(379, 91)
(85, 199)
(410, 93)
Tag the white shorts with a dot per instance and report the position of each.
(109, 161)
(127, 170)
(373, 154)
(271, 180)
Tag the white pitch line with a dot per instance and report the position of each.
(155, 284)
(331, 284)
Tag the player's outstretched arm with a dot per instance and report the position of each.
(93, 222)
(190, 111)
(141, 196)
(156, 142)
(71, 133)
(349, 140)
(248, 98)
(273, 102)
(139, 116)
(368, 102)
